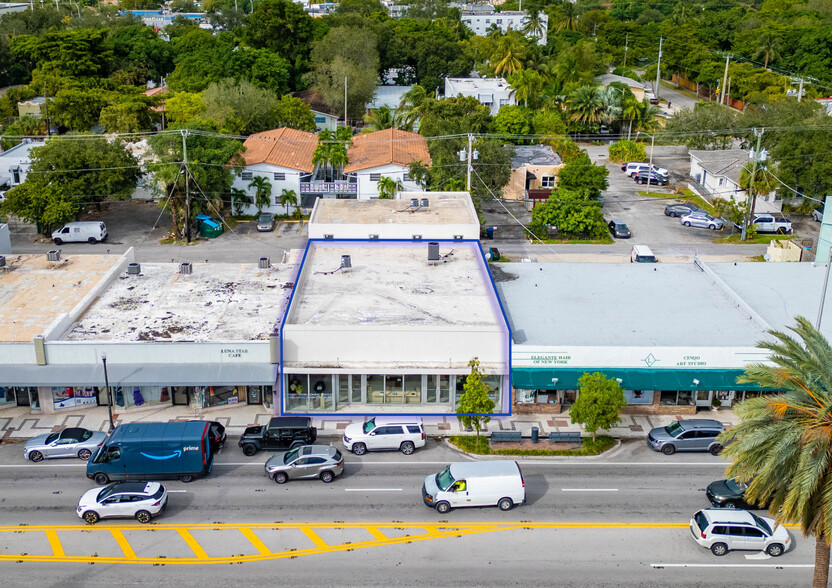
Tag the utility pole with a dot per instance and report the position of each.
(345, 101)
(658, 67)
(626, 46)
(725, 79)
(187, 186)
(800, 91)
(470, 156)
(751, 197)
(728, 94)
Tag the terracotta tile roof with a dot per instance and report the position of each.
(283, 147)
(157, 90)
(386, 147)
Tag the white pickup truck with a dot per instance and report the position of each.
(768, 223)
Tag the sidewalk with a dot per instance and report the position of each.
(18, 423)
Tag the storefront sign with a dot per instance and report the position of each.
(234, 353)
(636, 357)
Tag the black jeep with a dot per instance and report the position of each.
(280, 433)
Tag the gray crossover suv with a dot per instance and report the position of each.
(688, 435)
(309, 461)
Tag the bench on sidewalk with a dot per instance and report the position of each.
(565, 437)
(515, 436)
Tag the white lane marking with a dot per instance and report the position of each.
(589, 489)
(372, 490)
(178, 491)
(46, 465)
(519, 458)
(760, 555)
(716, 565)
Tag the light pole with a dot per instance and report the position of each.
(109, 392)
(652, 143)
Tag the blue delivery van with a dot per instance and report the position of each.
(151, 451)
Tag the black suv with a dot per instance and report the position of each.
(280, 433)
(646, 177)
(619, 229)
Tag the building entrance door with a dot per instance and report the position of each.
(703, 398)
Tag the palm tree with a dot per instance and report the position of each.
(262, 192)
(239, 200)
(630, 111)
(387, 188)
(585, 106)
(769, 47)
(648, 117)
(567, 69)
(338, 155)
(288, 197)
(526, 84)
(411, 106)
(323, 152)
(783, 442)
(380, 118)
(568, 18)
(507, 59)
(611, 99)
(533, 27)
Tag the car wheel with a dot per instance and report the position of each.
(669, 449)
(143, 517)
(775, 550)
(359, 449)
(719, 549)
(730, 504)
(327, 477)
(281, 478)
(673, 214)
(714, 450)
(84, 454)
(36, 456)
(91, 241)
(505, 504)
(712, 227)
(686, 223)
(186, 478)
(91, 517)
(58, 241)
(407, 447)
(443, 507)
(667, 213)
(249, 449)
(296, 444)
(101, 479)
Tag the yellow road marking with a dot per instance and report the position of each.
(55, 544)
(377, 534)
(255, 540)
(122, 542)
(313, 536)
(192, 543)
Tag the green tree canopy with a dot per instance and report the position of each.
(599, 403)
(474, 404)
(294, 113)
(583, 175)
(239, 108)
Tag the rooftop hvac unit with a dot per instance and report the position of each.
(346, 263)
(265, 263)
(134, 269)
(414, 203)
(433, 251)
(425, 203)
(53, 255)
(186, 268)
(2, 261)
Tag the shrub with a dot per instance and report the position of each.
(624, 150)
(482, 446)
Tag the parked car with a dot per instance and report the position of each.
(403, 434)
(633, 167)
(642, 254)
(619, 229)
(280, 433)
(71, 442)
(769, 223)
(703, 221)
(682, 209)
(139, 500)
(817, 214)
(308, 461)
(647, 177)
(722, 530)
(265, 222)
(80, 231)
(687, 435)
(728, 493)
(604, 130)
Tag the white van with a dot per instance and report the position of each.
(642, 254)
(380, 433)
(77, 232)
(475, 483)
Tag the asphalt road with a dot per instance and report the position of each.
(617, 520)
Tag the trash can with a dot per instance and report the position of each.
(494, 254)
(535, 435)
(489, 232)
(210, 229)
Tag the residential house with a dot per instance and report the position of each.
(491, 92)
(159, 110)
(480, 22)
(386, 153)
(826, 103)
(390, 96)
(15, 164)
(31, 107)
(325, 119)
(637, 88)
(534, 171)
(717, 175)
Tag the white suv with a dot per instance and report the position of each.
(385, 434)
(725, 529)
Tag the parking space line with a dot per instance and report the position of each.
(122, 542)
(55, 543)
(255, 540)
(315, 538)
(193, 544)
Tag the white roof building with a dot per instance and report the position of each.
(515, 20)
(491, 92)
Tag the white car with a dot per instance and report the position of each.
(634, 167)
(139, 500)
(403, 434)
(702, 220)
(725, 529)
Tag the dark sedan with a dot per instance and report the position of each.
(728, 494)
(684, 209)
(645, 177)
(619, 229)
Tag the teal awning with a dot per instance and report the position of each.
(632, 378)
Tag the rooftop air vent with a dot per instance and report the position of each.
(329, 236)
(53, 255)
(346, 263)
(2, 261)
(134, 269)
(264, 263)
(458, 237)
(186, 268)
(373, 236)
(417, 237)
(425, 203)
(433, 251)
(414, 203)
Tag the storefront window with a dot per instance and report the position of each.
(439, 389)
(375, 389)
(6, 395)
(493, 383)
(223, 395)
(393, 391)
(69, 396)
(639, 396)
(677, 398)
(413, 389)
(297, 389)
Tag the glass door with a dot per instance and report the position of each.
(349, 389)
(703, 398)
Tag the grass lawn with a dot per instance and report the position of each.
(735, 238)
(482, 446)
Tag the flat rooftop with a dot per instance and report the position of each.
(608, 304)
(217, 302)
(34, 292)
(391, 284)
(445, 208)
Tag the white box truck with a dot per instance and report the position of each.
(475, 483)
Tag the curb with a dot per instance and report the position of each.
(521, 457)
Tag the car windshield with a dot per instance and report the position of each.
(735, 486)
(107, 491)
(51, 438)
(159, 493)
(291, 455)
(369, 425)
(673, 429)
(701, 520)
(761, 523)
(265, 218)
(444, 479)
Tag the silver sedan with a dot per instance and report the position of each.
(703, 221)
(72, 442)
